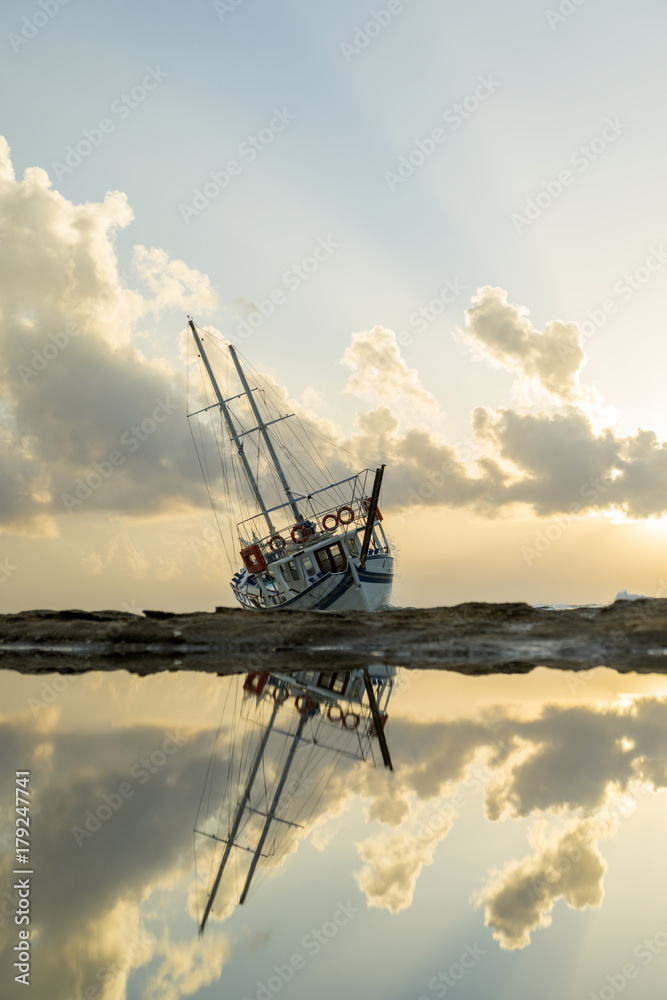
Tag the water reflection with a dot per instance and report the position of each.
(516, 849)
(270, 780)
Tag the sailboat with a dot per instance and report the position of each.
(275, 770)
(309, 540)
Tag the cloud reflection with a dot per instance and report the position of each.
(114, 905)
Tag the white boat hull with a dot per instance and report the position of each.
(340, 591)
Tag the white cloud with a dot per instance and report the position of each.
(187, 967)
(378, 370)
(392, 866)
(74, 389)
(502, 334)
(521, 898)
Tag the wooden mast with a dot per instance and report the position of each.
(232, 427)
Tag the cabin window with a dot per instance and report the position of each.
(293, 569)
(352, 546)
(331, 558)
(334, 682)
(308, 564)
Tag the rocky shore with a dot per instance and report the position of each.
(472, 638)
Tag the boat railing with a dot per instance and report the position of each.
(347, 512)
(347, 710)
(326, 523)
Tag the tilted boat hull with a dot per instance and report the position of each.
(340, 591)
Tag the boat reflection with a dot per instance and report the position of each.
(287, 736)
(523, 826)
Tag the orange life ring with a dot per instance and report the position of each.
(307, 704)
(305, 533)
(349, 520)
(329, 713)
(355, 719)
(277, 539)
(328, 517)
(283, 691)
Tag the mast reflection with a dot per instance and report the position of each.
(286, 733)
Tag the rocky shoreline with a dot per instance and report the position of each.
(473, 638)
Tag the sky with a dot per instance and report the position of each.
(518, 839)
(438, 225)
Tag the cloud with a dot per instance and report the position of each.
(521, 898)
(561, 465)
(502, 334)
(82, 404)
(73, 389)
(580, 766)
(173, 285)
(187, 967)
(100, 907)
(90, 897)
(623, 749)
(379, 370)
(552, 461)
(391, 870)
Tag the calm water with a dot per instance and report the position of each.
(515, 850)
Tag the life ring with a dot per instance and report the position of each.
(300, 532)
(280, 691)
(355, 719)
(340, 711)
(304, 704)
(348, 520)
(279, 540)
(329, 517)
